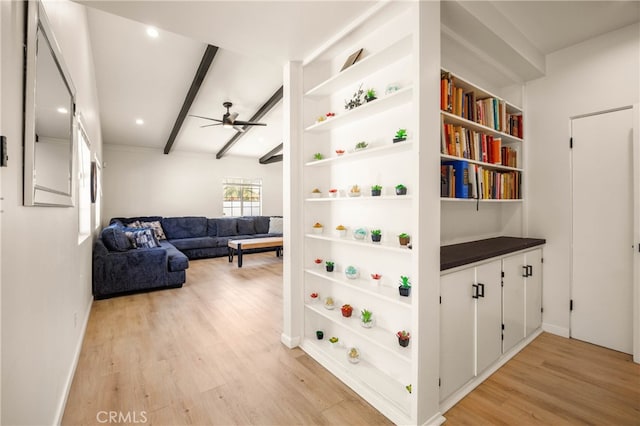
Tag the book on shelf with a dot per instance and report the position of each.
(447, 181)
(498, 185)
(461, 142)
(461, 171)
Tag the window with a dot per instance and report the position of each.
(84, 194)
(241, 197)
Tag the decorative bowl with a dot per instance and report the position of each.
(359, 233)
(351, 272)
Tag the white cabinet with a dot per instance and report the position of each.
(486, 309)
(470, 324)
(522, 296)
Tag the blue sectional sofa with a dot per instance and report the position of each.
(120, 266)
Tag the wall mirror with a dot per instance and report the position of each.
(49, 122)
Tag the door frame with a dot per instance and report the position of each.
(636, 221)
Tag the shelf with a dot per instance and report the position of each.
(481, 93)
(454, 119)
(369, 109)
(361, 243)
(363, 68)
(382, 197)
(363, 153)
(388, 294)
(361, 374)
(484, 200)
(384, 339)
(480, 163)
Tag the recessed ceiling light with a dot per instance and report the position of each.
(139, 121)
(152, 32)
(62, 110)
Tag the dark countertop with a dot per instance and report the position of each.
(474, 251)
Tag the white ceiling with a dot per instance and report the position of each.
(139, 77)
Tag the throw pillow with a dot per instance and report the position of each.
(262, 224)
(276, 225)
(115, 239)
(227, 227)
(142, 238)
(134, 224)
(157, 228)
(246, 227)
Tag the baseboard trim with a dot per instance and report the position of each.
(290, 342)
(557, 330)
(436, 420)
(454, 398)
(74, 365)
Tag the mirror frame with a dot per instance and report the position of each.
(35, 194)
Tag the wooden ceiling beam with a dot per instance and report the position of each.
(264, 109)
(270, 156)
(201, 73)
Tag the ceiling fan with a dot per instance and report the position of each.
(229, 120)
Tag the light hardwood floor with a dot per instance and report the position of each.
(210, 353)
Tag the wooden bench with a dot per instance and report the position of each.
(253, 243)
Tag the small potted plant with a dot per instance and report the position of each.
(361, 145)
(404, 239)
(408, 387)
(316, 193)
(319, 334)
(403, 338)
(339, 152)
(333, 193)
(317, 228)
(320, 119)
(330, 114)
(329, 303)
(346, 310)
(366, 318)
(401, 135)
(376, 190)
(376, 235)
(405, 286)
(401, 189)
(371, 95)
(375, 279)
(342, 230)
(354, 191)
(334, 342)
(353, 356)
(351, 272)
(317, 156)
(318, 261)
(359, 233)
(329, 265)
(314, 297)
(356, 99)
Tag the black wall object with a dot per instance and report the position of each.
(3, 151)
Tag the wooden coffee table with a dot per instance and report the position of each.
(253, 243)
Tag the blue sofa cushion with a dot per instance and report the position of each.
(194, 243)
(212, 227)
(184, 227)
(127, 220)
(246, 226)
(142, 237)
(227, 227)
(115, 239)
(262, 224)
(177, 260)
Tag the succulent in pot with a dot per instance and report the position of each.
(316, 193)
(329, 303)
(404, 286)
(319, 334)
(353, 355)
(401, 189)
(359, 233)
(342, 230)
(375, 279)
(404, 239)
(351, 272)
(366, 318)
(314, 297)
(333, 193)
(376, 235)
(329, 265)
(376, 190)
(354, 191)
(317, 228)
(401, 135)
(361, 145)
(318, 156)
(403, 338)
(339, 151)
(371, 95)
(346, 310)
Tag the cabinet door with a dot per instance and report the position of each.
(457, 314)
(513, 301)
(489, 316)
(533, 288)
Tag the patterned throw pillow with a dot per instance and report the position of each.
(157, 228)
(134, 224)
(142, 238)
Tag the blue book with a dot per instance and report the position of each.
(462, 170)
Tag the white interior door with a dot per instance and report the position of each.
(602, 251)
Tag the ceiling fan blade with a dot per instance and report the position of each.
(209, 125)
(239, 129)
(248, 123)
(206, 118)
(232, 117)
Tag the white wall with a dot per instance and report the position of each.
(46, 273)
(142, 181)
(595, 75)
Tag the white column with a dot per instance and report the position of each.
(292, 299)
